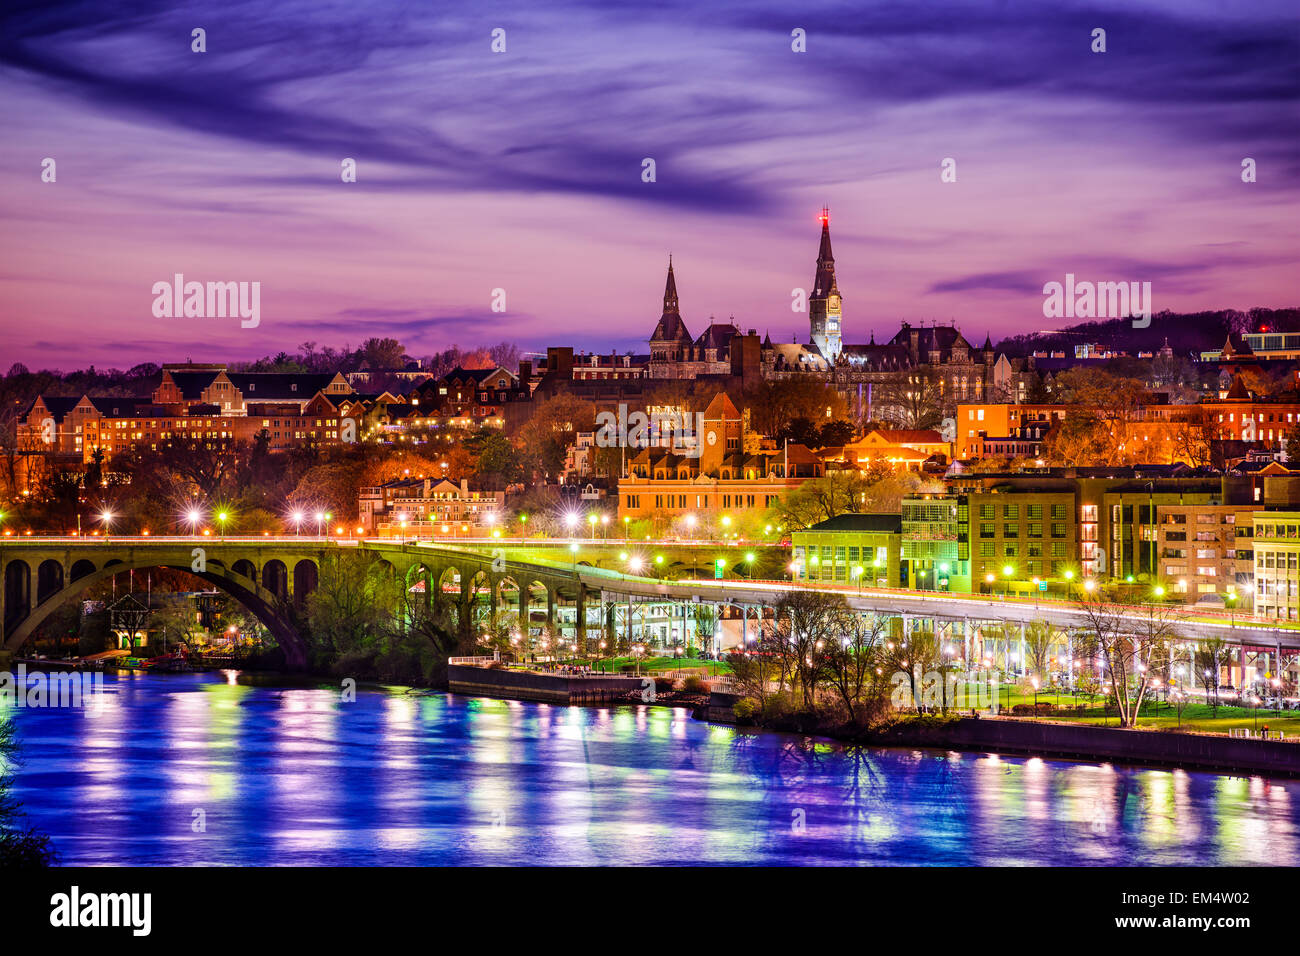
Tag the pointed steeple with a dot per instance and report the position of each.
(670, 290)
(824, 282)
(670, 332)
(824, 310)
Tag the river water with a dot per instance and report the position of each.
(200, 769)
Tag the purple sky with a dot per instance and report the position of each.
(522, 170)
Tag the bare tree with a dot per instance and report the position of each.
(1132, 642)
(852, 668)
(805, 623)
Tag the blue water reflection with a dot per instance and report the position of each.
(281, 775)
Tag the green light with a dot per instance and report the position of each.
(721, 562)
(1008, 570)
(944, 567)
(1129, 579)
(749, 557)
(659, 559)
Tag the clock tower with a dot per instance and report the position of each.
(824, 303)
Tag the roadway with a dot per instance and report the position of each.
(1192, 623)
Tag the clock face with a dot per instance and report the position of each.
(835, 302)
(711, 437)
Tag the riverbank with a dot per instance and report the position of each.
(1039, 738)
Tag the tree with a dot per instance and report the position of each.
(852, 668)
(912, 656)
(706, 624)
(1038, 645)
(383, 353)
(1196, 439)
(820, 499)
(773, 405)
(805, 624)
(1132, 643)
(21, 846)
(914, 398)
(1207, 661)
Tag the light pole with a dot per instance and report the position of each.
(296, 518)
(523, 526)
(591, 520)
(222, 518)
(193, 516)
(106, 519)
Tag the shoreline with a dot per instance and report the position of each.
(1149, 749)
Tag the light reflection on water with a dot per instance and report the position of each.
(294, 776)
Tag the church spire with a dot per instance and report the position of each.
(670, 290)
(824, 303)
(824, 282)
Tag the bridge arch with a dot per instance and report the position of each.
(306, 578)
(17, 592)
(275, 578)
(81, 568)
(245, 567)
(49, 579)
(451, 586)
(262, 603)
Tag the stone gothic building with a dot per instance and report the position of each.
(876, 380)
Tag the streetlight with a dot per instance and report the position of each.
(571, 521)
(591, 520)
(857, 575)
(222, 518)
(297, 517)
(523, 525)
(320, 522)
(194, 516)
(106, 519)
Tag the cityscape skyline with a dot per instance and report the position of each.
(225, 166)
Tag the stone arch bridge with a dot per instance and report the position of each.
(273, 577)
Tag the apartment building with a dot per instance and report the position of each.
(1276, 546)
(936, 542)
(429, 507)
(861, 549)
(1205, 549)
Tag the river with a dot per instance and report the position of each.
(202, 769)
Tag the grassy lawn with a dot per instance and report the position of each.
(1156, 714)
(651, 665)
